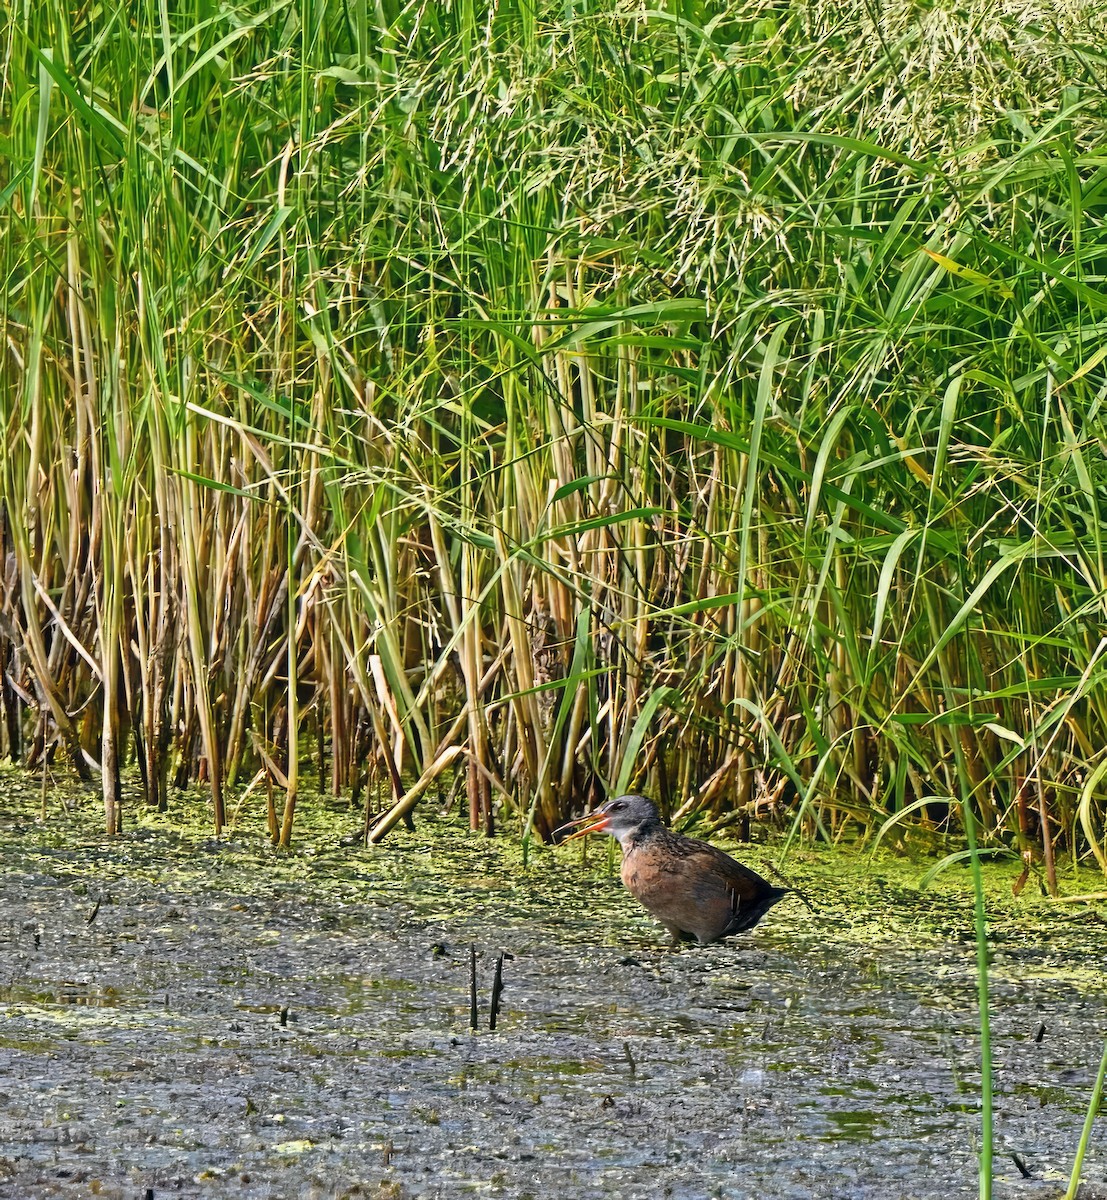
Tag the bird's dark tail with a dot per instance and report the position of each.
(751, 911)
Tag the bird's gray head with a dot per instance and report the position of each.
(624, 818)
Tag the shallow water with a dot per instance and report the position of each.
(227, 1025)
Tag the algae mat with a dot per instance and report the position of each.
(198, 1019)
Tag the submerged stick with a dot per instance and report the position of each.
(472, 986)
(630, 1059)
(779, 874)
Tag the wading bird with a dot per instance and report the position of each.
(694, 890)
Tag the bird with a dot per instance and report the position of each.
(695, 890)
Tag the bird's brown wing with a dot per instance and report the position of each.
(703, 858)
(694, 888)
(748, 897)
(751, 896)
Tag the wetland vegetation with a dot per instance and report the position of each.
(704, 398)
(480, 408)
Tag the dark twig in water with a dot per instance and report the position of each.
(497, 989)
(1026, 1174)
(95, 909)
(472, 986)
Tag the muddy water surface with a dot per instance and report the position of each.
(180, 1017)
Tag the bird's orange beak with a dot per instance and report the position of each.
(600, 823)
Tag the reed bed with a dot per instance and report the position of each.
(544, 399)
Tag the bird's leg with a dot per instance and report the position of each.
(677, 937)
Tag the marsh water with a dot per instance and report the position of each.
(191, 1018)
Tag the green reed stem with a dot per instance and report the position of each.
(1086, 1134)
